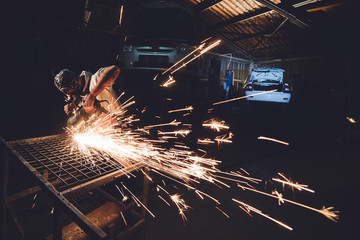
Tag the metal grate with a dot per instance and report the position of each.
(61, 165)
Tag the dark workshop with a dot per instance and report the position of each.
(180, 119)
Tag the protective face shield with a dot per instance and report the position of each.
(66, 81)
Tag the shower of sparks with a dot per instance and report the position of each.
(238, 98)
(129, 146)
(250, 208)
(351, 120)
(119, 137)
(273, 140)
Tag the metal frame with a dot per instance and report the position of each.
(59, 198)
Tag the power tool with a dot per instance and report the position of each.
(81, 118)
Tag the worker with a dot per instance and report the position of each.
(82, 90)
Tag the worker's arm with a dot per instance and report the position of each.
(106, 79)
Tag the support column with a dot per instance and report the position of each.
(57, 224)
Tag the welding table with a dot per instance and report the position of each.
(60, 173)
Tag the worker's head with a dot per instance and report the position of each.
(67, 82)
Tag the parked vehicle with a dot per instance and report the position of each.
(163, 34)
(263, 80)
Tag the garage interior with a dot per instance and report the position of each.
(314, 41)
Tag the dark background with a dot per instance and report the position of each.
(41, 37)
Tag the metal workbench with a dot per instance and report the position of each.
(61, 174)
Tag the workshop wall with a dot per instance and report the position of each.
(317, 80)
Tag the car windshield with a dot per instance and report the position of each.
(164, 23)
(264, 80)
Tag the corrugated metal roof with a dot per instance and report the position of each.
(263, 28)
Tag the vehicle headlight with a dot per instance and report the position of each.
(183, 49)
(128, 48)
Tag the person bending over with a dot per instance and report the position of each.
(84, 89)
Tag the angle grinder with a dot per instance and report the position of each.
(81, 118)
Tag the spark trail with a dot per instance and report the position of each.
(128, 146)
(120, 137)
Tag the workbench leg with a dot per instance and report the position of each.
(145, 193)
(57, 224)
(4, 170)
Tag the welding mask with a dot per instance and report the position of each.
(67, 80)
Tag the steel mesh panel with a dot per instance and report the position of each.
(61, 165)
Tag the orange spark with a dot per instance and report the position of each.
(222, 212)
(190, 108)
(217, 125)
(273, 140)
(250, 208)
(238, 98)
(351, 120)
(295, 185)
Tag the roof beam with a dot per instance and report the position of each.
(242, 17)
(264, 34)
(249, 36)
(287, 11)
(323, 5)
(204, 5)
